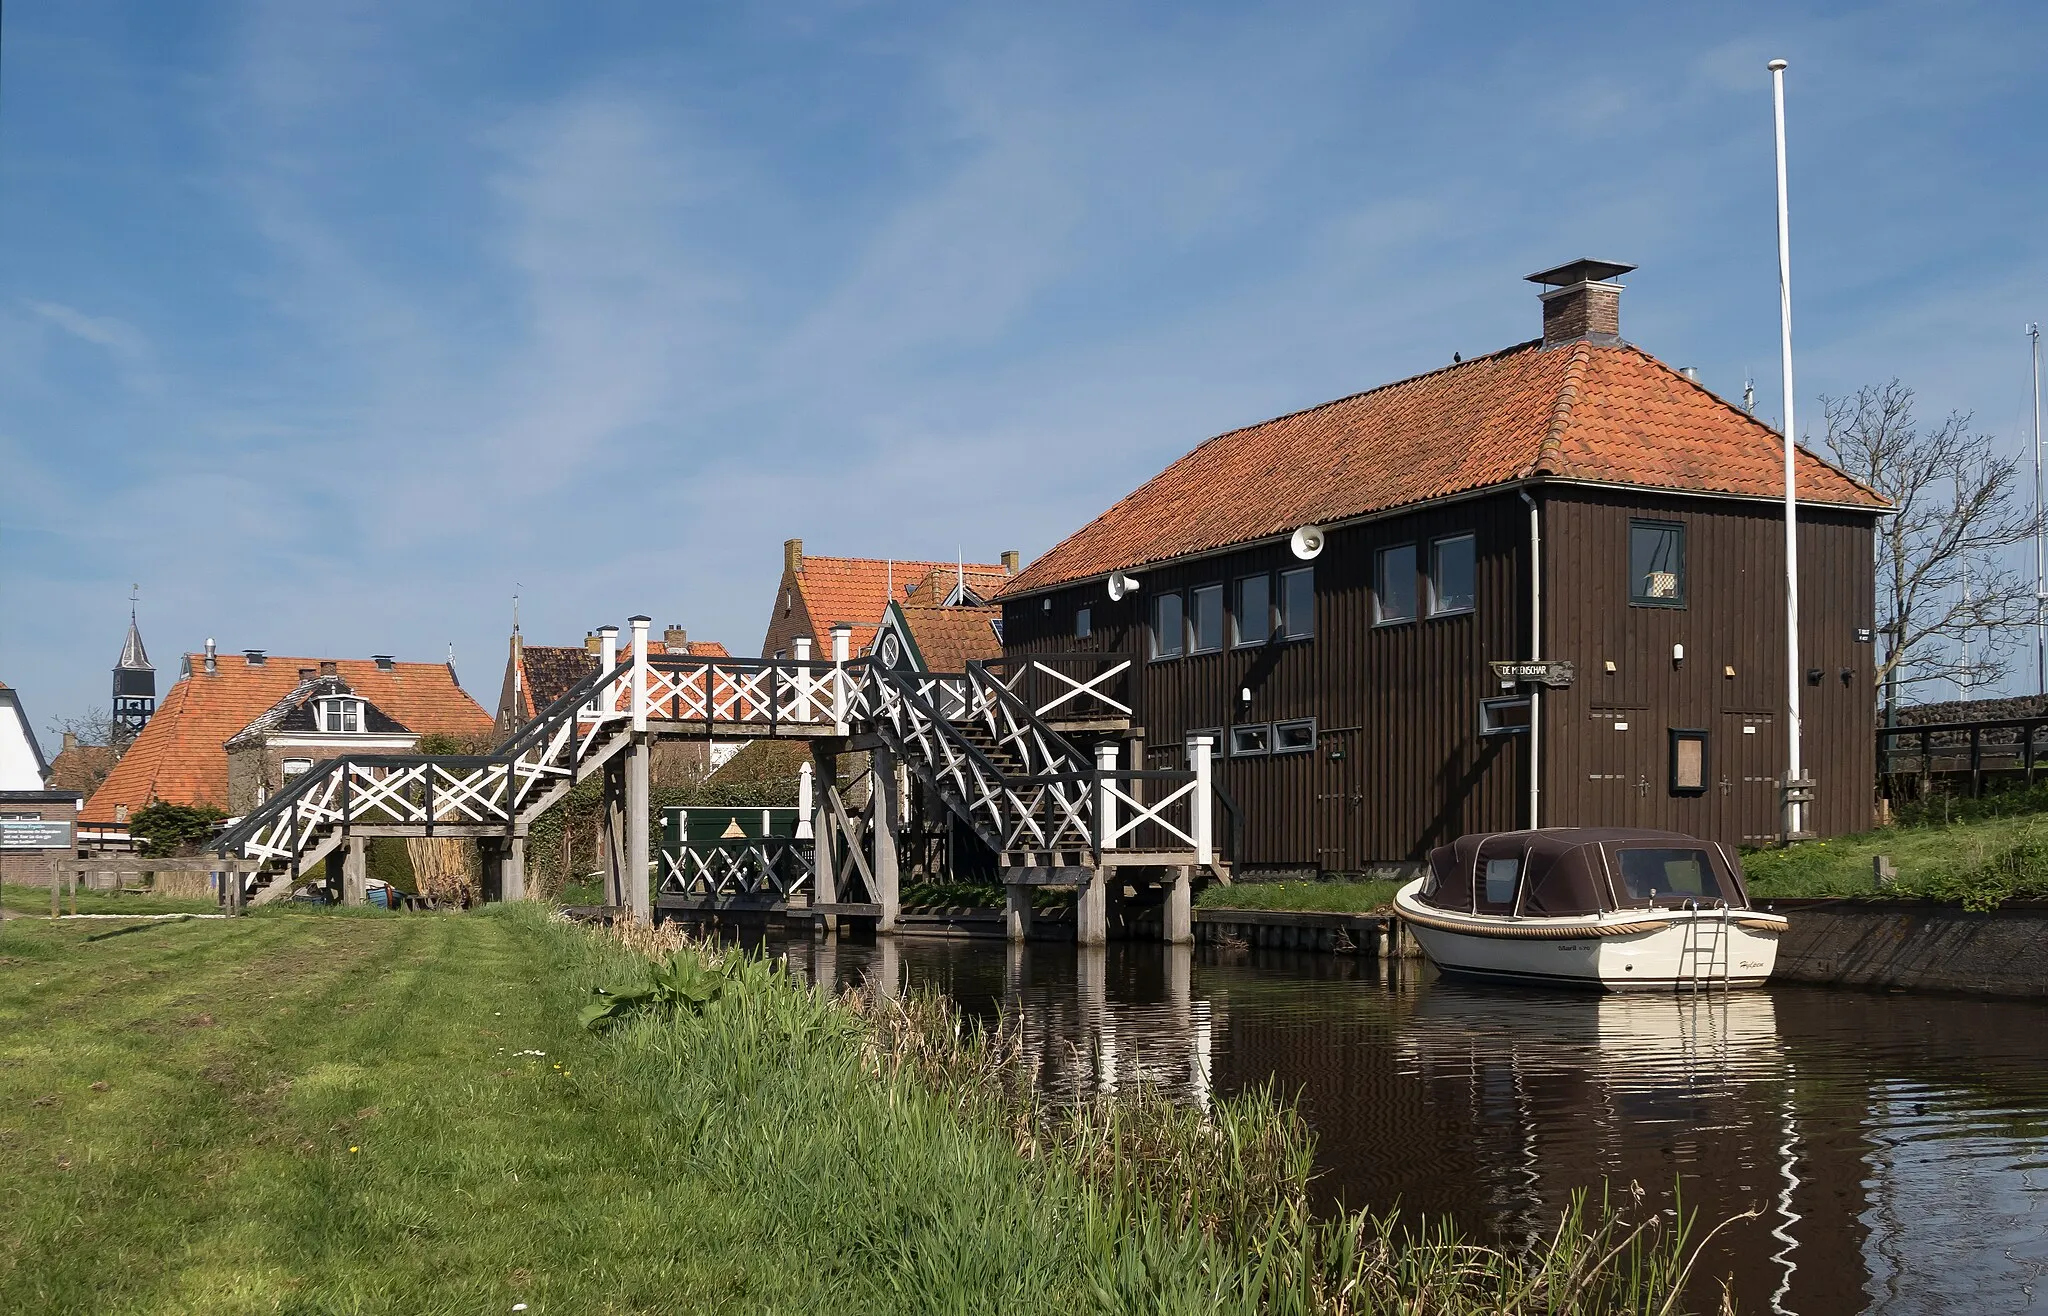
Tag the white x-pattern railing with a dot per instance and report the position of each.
(989, 753)
(765, 868)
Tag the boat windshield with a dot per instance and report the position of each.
(1668, 876)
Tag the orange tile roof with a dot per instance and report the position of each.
(1578, 411)
(856, 589)
(949, 638)
(181, 755)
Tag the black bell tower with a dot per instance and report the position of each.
(134, 682)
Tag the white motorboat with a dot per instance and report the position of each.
(1609, 908)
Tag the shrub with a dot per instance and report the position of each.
(166, 829)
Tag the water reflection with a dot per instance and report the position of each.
(1896, 1146)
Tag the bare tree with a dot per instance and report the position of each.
(103, 741)
(1947, 608)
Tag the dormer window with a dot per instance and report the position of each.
(341, 714)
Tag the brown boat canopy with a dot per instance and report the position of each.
(1565, 871)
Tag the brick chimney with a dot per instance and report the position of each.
(793, 556)
(305, 675)
(1009, 561)
(329, 667)
(675, 640)
(1581, 302)
(591, 642)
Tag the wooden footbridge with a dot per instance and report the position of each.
(1025, 754)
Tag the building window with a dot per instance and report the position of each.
(1206, 608)
(1251, 741)
(1298, 603)
(1297, 737)
(1394, 586)
(1453, 568)
(1688, 762)
(1504, 717)
(1169, 627)
(297, 767)
(1656, 564)
(1254, 617)
(1084, 623)
(343, 715)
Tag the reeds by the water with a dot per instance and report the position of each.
(1180, 1208)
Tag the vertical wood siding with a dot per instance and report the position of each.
(1734, 618)
(1399, 764)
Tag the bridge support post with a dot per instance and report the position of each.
(634, 872)
(887, 810)
(355, 874)
(1017, 912)
(614, 835)
(1091, 909)
(824, 858)
(1178, 919)
(514, 884)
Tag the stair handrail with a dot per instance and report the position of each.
(999, 832)
(1061, 753)
(537, 734)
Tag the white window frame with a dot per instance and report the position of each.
(1180, 650)
(336, 708)
(1237, 636)
(1436, 607)
(1379, 584)
(1285, 625)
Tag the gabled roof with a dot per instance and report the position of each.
(947, 639)
(854, 590)
(181, 757)
(1582, 411)
(294, 712)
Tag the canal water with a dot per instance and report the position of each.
(1897, 1145)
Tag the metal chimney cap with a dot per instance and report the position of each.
(1582, 270)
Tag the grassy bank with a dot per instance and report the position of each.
(36, 900)
(329, 1111)
(1979, 863)
(1334, 897)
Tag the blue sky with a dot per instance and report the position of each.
(327, 323)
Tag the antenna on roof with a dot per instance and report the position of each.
(515, 607)
(1749, 394)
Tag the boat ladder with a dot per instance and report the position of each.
(1704, 959)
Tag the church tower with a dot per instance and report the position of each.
(134, 682)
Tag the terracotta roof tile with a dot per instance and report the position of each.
(949, 638)
(856, 589)
(1580, 411)
(181, 755)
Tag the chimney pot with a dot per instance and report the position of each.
(383, 661)
(1581, 301)
(1010, 561)
(254, 657)
(793, 556)
(211, 657)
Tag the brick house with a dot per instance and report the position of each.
(817, 593)
(536, 675)
(181, 756)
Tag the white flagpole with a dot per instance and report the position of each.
(1795, 813)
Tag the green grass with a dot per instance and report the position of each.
(357, 1111)
(1331, 897)
(36, 900)
(1978, 864)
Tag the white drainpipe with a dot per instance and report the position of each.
(1535, 655)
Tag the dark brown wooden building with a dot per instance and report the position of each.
(1352, 692)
